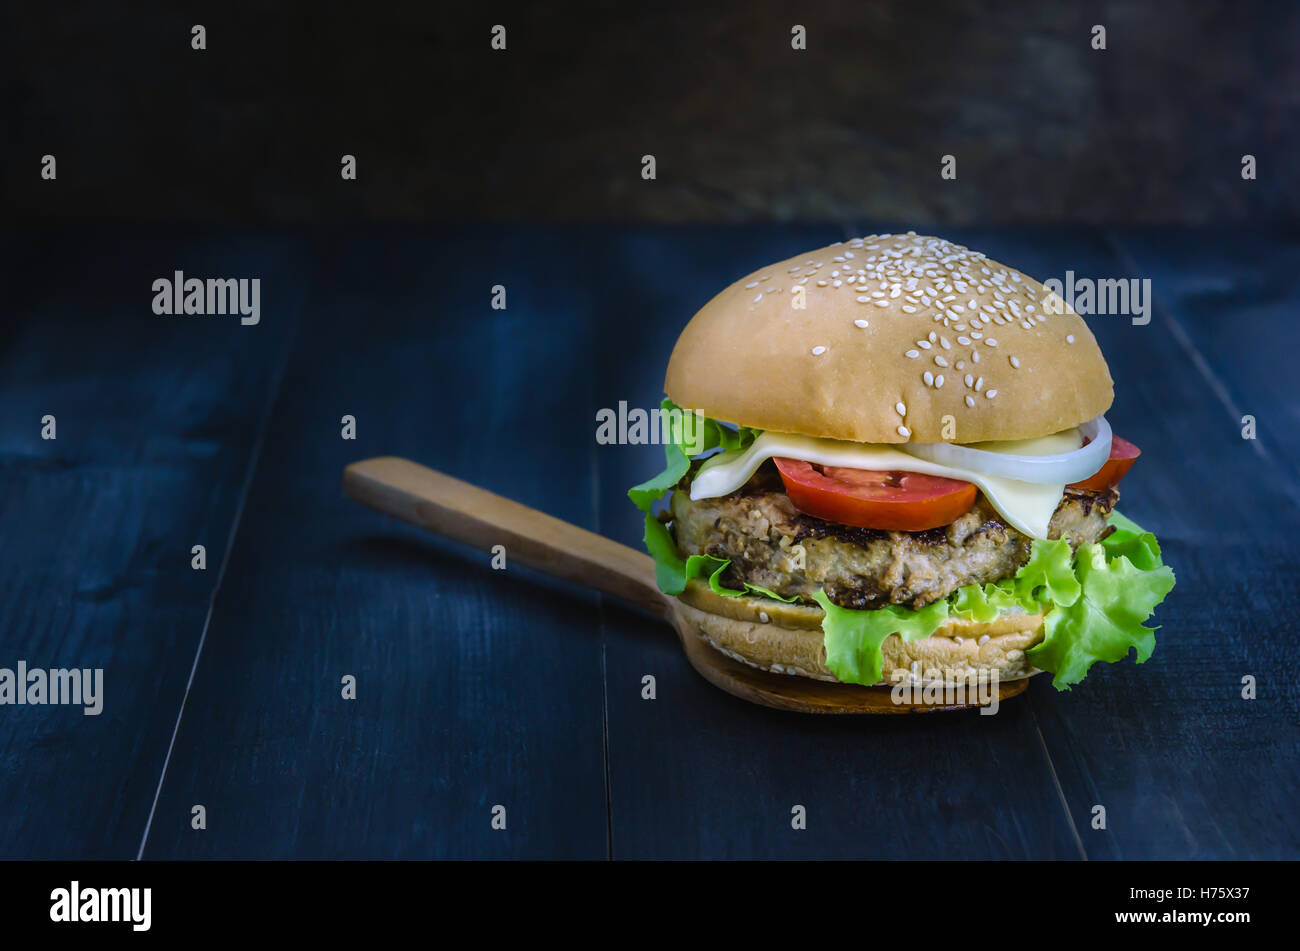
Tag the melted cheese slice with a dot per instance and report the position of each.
(1027, 506)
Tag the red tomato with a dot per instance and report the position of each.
(902, 501)
(1122, 456)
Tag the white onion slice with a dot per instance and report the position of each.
(1058, 469)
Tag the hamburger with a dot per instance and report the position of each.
(891, 460)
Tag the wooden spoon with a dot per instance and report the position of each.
(450, 507)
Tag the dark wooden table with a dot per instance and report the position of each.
(478, 687)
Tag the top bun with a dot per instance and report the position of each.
(936, 316)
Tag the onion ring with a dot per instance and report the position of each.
(1058, 469)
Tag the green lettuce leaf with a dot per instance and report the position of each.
(683, 441)
(853, 638)
(1133, 542)
(1048, 577)
(1094, 600)
(1105, 622)
(766, 592)
(983, 603)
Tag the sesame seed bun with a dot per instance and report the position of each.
(883, 346)
(787, 639)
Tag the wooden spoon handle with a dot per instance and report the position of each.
(432, 500)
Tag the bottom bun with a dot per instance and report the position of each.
(787, 639)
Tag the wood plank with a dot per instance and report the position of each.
(699, 774)
(1185, 767)
(475, 687)
(1230, 300)
(157, 418)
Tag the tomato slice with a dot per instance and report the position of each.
(1122, 456)
(865, 498)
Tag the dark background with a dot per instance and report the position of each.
(479, 687)
(1044, 128)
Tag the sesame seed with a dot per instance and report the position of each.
(904, 431)
(940, 361)
(818, 351)
(979, 384)
(908, 309)
(964, 341)
(901, 408)
(959, 641)
(859, 323)
(961, 364)
(1069, 338)
(836, 283)
(1015, 362)
(912, 354)
(991, 393)
(975, 356)
(752, 284)
(943, 342)
(928, 377)
(822, 283)
(983, 639)
(991, 342)
(864, 300)
(881, 303)
(970, 380)
(933, 336)
(938, 381)
(923, 344)
(758, 298)
(970, 401)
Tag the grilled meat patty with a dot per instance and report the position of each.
(773, 545)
